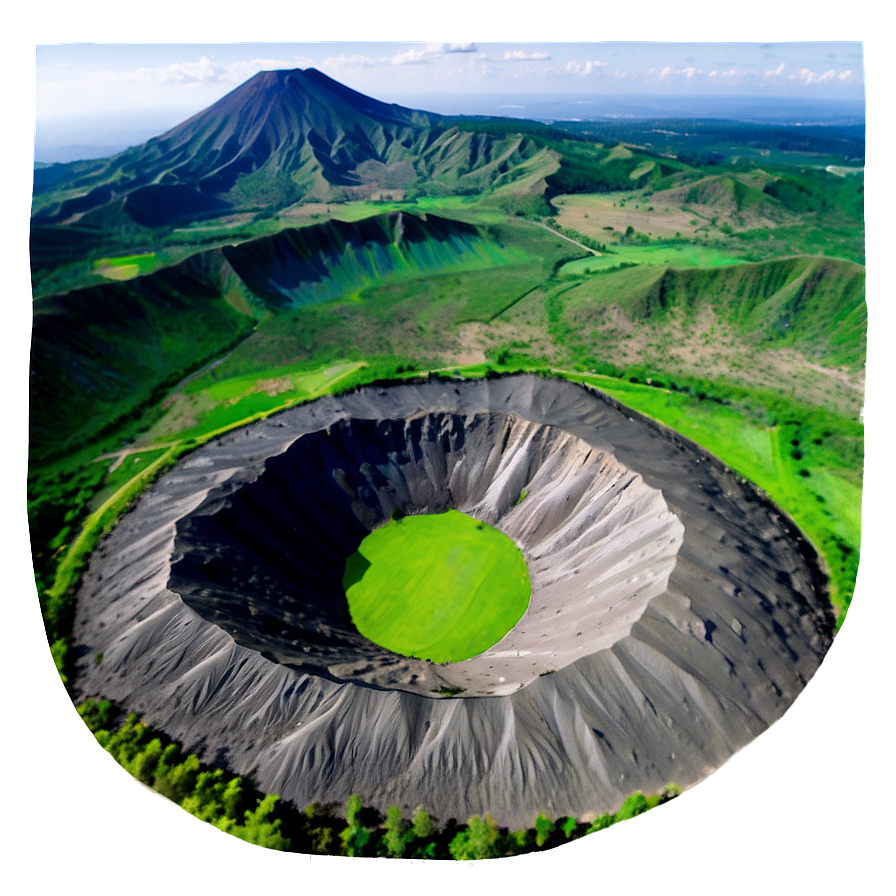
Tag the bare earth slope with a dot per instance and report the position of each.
(675, 614)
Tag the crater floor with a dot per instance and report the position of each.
(675, 614)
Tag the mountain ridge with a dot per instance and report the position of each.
(281, 137)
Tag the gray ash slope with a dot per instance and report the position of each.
(681, 613)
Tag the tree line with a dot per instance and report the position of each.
(231, 804)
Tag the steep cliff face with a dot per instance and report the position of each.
(677, 612)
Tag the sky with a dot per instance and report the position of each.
(93, 78)
(110, 95)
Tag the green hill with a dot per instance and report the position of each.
(813, 304)
(102, 353)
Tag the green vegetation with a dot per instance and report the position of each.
(442, 587)
(769, 441)
(676, 255)
(229, 803)
(126, 266)
(729, 306)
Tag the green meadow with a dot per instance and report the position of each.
(678, 255)
(797, 457)
(125, 267)
(442, 587)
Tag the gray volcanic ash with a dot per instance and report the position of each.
(678, 612)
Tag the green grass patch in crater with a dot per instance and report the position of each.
(443, 587)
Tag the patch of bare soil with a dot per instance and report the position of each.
(605, 216)
(704, 347)
(476, 341)
(275, 386)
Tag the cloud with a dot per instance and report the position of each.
(358, 60)
(458, 48)
(429, 53)
(523, 56)
(774, 72)
(412, 57)
(807, 76)
(206, 70)
(574, 67)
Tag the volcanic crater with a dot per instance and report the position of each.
(674, 612)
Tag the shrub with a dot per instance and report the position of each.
(478, 841)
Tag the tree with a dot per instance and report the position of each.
(397, 836)
(634, 805)
(544, 827)
(259, 827)
(478, 841)
(143, 766)
(423, 824)
(176, 780)
(600, 823)
(355, 838)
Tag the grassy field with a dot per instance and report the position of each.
(443, 587)
(125, 267)
(677, 255)
(210, 404)
(816, 481)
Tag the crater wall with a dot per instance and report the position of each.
(675, 613)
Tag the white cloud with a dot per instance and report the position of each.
(430, 53)
(458, 48)
(356, 61)
(523, 56)
(665, 72)
(807, 76)
(202, 80)
(413, 57)
(775, 72)
(207, 70)
(583, 68)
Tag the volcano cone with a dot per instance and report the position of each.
(674, 613)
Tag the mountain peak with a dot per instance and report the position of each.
(283, 136)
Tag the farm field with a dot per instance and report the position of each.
(441, 587)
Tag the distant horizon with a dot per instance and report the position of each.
(150, 88)
(77, 138)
